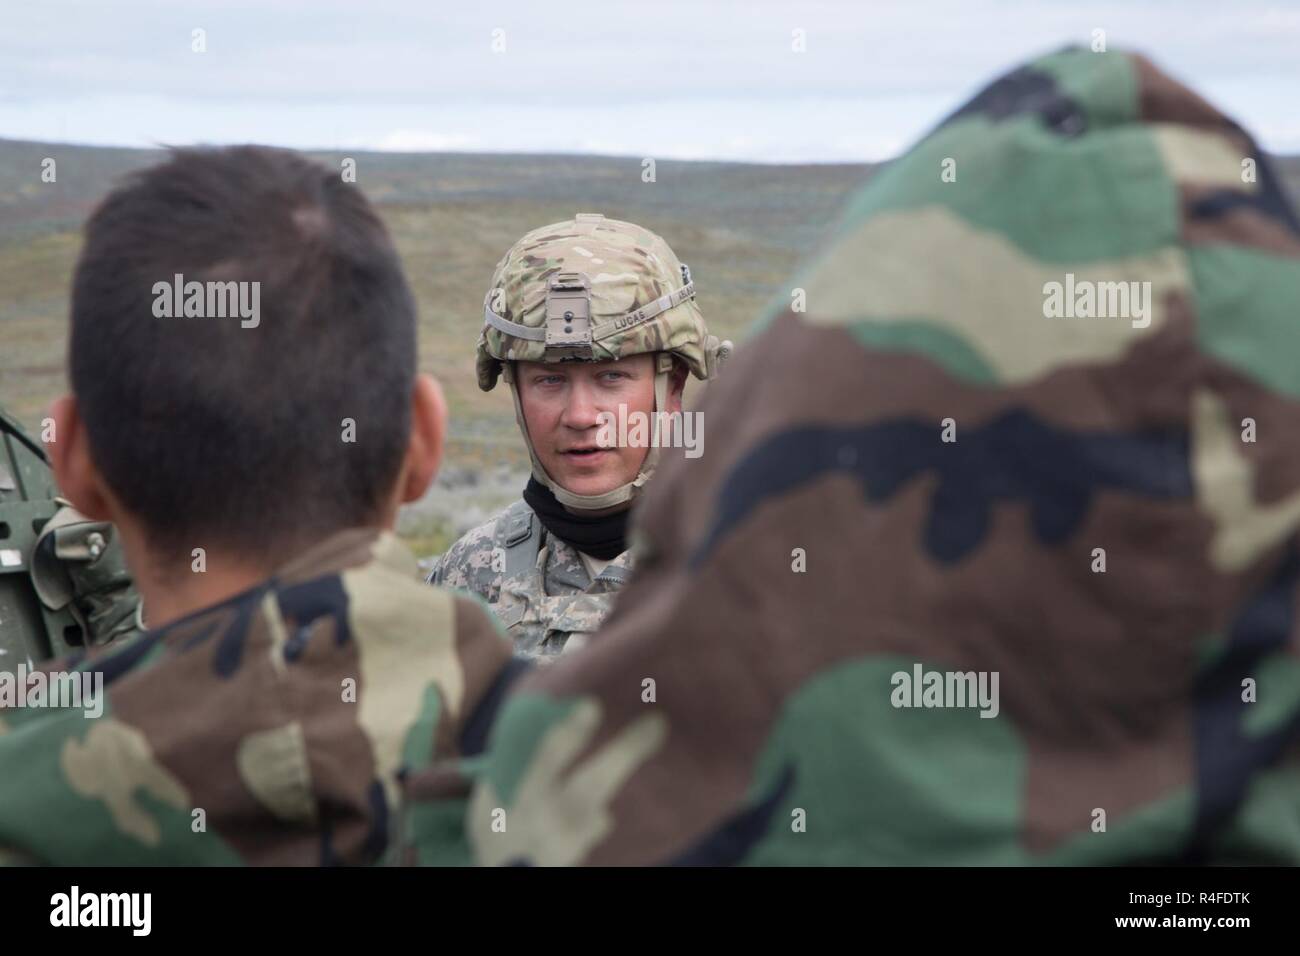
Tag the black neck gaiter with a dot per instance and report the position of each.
(603, 537)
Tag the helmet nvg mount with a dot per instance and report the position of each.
(594, 289)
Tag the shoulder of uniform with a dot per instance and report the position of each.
(483, 535)
(470, 557)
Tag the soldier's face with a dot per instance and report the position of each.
(562, 406)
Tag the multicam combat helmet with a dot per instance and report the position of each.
(593, 289)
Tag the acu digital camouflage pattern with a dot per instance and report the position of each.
(629, 267)
(242, 711)
(1119, 690)
(553, 606)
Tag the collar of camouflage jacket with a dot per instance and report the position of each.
(351, 548)
(343, 550)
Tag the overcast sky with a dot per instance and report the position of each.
(663, 78)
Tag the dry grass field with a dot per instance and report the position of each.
(742, 228)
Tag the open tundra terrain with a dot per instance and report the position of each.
(742, 228)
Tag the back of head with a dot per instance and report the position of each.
(235, 312)
(999, 533)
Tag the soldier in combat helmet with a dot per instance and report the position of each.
(588, 321)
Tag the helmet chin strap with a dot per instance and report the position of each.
(623, 493)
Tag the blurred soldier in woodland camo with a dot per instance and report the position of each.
(936, 469)
(584, 318)
(295, 665)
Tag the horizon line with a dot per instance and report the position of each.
(160, 147)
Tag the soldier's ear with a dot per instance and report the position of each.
(75, 471)
(428, 435)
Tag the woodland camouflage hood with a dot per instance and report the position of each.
(968, 456)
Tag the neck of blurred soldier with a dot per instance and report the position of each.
(169, 593)
(167, 601)
(179, 586)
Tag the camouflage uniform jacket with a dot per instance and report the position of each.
(932, 474)
(286, 715)
(541, 592)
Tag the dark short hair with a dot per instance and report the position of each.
(231, 437)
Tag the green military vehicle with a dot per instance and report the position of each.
(64, 584)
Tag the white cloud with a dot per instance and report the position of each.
(422, 141)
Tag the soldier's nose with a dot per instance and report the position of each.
(581, 412)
